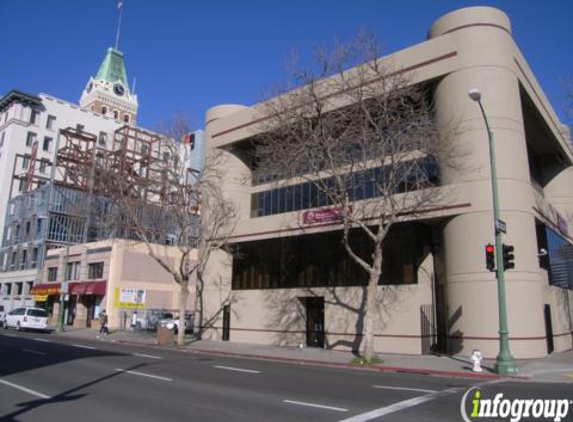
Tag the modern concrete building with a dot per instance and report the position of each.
(116, 275)
(442, 296)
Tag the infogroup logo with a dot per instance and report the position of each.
(512, 409)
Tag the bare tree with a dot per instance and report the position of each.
(158, 200)
(365, 136)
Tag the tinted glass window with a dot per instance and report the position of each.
(37, 312)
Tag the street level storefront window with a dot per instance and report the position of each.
(319, 260)
(95, 270)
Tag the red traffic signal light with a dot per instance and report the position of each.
(490, 257)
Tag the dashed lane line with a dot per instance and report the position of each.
(26, 390)
(142, 355)
(81, 346)
(319, 406)
(387, 387)
(35, 352)
(141, 374)
(231, 368)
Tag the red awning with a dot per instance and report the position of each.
(96, 288)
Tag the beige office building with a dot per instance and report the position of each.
(444, 297)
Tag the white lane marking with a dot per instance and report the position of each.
(230, 368)
(320, 406)
(43, 340)
(396, 407)
(387, 387)
(10, 335)
(141, 355)
(34, 352)
(81, 346)
(143, 375)
(26, 390)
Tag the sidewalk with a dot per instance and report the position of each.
(557, 367)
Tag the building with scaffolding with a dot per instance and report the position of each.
(78, 203)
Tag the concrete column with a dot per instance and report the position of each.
(482, 37)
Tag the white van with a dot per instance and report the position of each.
(27, 319)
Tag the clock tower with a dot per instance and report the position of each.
(108, 93)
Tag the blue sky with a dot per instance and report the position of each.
(189, 55)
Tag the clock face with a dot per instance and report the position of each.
(118, 89)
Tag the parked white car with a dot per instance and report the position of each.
(27, 319)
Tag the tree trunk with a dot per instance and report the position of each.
(370, 306)
(183, 295)
(199, 307)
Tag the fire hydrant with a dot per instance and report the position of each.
(476, 358)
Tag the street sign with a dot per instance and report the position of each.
(65, 287)
(500, 226)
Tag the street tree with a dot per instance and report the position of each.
(161, 206)
(365, 136)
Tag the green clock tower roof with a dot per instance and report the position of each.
(112, 68)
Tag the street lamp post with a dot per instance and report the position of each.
(505, 363)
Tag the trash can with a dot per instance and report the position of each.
(165, 334)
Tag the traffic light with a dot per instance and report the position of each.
(490, 257)
(508, 257)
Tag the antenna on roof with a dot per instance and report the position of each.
(120, 8)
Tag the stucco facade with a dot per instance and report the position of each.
(453, 303)
(116, 275)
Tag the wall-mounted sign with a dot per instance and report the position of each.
(129, 298)
(324, 215)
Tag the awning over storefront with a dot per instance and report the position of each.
(94, 288)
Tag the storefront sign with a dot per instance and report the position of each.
(324, 215)
(40, 298)
(129, 298)
(46, 289)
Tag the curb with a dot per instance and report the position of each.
(367, 367)
(297, 361)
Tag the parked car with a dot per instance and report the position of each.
(2, 315)
(149, 320)
(27, 319)
(173, 323)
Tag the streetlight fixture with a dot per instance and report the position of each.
(505, 363)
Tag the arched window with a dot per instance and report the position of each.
(115, 115)
(104, 110)
(126, 118)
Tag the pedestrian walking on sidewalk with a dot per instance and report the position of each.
(103, 322)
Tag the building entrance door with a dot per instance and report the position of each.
(548, 328)
(315, 321)
(226, 322)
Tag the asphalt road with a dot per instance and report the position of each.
(46, 377)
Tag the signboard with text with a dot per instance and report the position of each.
(324, 215)
(129, 298)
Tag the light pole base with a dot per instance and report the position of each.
(506, 365)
